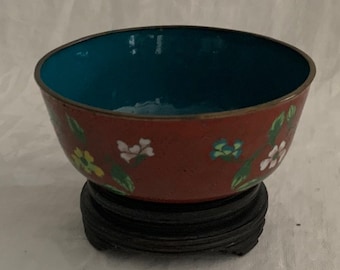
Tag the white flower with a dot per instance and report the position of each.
(128, 153)
(275, 156)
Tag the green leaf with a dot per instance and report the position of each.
(291, 113)
(275, 128)
(139, 159)
(250, 184)
(76, 129)
(122, 178)
(115, 190)
(241, 174)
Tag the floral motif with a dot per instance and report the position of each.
(140, 152)
(225, 151)
(83, 160)
(275, 156)
(229, 153)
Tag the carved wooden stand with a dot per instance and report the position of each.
(231, 225)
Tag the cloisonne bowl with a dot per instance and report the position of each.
(175, 114)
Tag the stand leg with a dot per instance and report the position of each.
(231, 225)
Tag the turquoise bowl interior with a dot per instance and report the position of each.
(174, 70)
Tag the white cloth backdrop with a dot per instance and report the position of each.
(40, 221)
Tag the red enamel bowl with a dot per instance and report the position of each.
(175, 114)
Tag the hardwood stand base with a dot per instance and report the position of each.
(231, 225)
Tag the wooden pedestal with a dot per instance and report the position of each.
(231, 225)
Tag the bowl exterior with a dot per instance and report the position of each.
(176, 160)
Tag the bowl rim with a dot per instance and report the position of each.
(212, 115)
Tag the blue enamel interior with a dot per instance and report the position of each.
(195, 70)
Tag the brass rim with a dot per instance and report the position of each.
(291, 95)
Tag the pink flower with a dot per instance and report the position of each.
(275, 156)
(128, 153)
